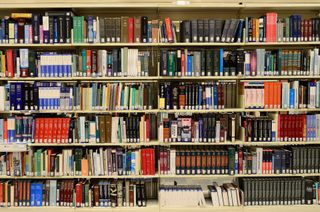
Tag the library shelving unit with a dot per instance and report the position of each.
(177, 10)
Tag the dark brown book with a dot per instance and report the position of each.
(137, 29)
(124, 29)
(102, 128)
(21, 23)
(108, 123)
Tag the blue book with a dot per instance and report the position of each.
(33, 194)
(199, 104)
(124, 165)
(200, 129)
(55, 30)
(291, 98)
(12, 96)
(215, 96)
(308, 127)
(221, 62)
(19, 96)
(133, 163)
(90, 29)
(38, 194)
(128, 163)
(189, 64)
(239, 32)
(26, 33)
(11, 129)
(3, 26)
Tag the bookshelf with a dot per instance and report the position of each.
(159, 10)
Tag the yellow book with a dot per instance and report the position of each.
(21, 15)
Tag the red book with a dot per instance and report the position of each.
(147, 129)
(10, 64)
(130, 30)
(165, 161)
(59, 129)
(50, 130)
(161, 162)
(5, 130)
(240, 161)
(143, 161)
(88, 64)
(169, 29)
(183, 64)
(152, 159)
(66, 132)
(253, 63)
(61, 193)
(78, 194)
(41, 130)
(46, 130)
(54, 129)
(271, 32)
(263, 161)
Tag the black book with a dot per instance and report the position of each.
(51, 29)
(108, 29)
(68, 27)
(112, 30)
(209, 62)
(36, 28)
(178, 65)
(233, 63)
(212, 25)
(118, 29)
(194, 30)
(203, 63)
(219, 26)
(308, 191)
(164, 62)
(206, 31)
(185, 31)
(240, 62)
(200, 31)
(226, 63)
(216, 62)
(232, 30)
(61, 27)
(102, 30)
(144, 29)
(226, 27)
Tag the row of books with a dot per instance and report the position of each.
(96, 63)
(280, 127)
(205, 95)
(280, 191)
(271, 28)
(66, 27)
(221, 62)
(213, 30)
(182, 62)
(83, 129)
(76, 96)
(167, 128)
(79, 162)
(192, 161)
(293, 94)
(69, 193)
(198, 128)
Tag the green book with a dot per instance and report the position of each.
(75, 29)
(84, 62)
(172, 57)
(81, 25)
(38, 162)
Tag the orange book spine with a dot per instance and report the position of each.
(88, 64)
(169, 29)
